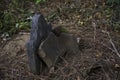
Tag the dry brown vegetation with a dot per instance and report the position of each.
(100, 46)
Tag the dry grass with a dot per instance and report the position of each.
(96, 48)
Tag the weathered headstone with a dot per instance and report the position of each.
(49, 50)
(46, 45)
(68, 43)
(55, 46)
(39, 31)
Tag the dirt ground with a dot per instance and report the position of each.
(99, 46)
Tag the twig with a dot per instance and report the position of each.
(94, 26)
(113, 45)
(64, 60)
(107, 47)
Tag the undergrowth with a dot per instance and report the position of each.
(15, 15)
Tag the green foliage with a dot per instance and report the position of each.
(39, 1)
(14, 17)
(8, 21)
(116, 26)
(11, 24)
(51, 16)
(64, 30)
(114, 14)
(113, 1)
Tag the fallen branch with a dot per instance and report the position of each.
(94, 26)
(113, 45)
(107, 47)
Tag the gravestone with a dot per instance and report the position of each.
(49, 50)
(45, 45)
(39, 31)
(55, 47)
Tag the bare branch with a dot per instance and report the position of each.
(113, 45)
